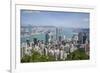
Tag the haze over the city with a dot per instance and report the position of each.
(53, 18)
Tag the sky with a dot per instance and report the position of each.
(55, 18)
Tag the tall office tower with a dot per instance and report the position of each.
(50, 36)
(60, 38)
(47, 37)
(88, 37)
(23, 47)
(35, 41)
(87, 47)
(75, 39)
(28, 43)
(58, 34)
(64, 37)
(80, 37)
(84, 38)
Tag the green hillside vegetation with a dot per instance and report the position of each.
(78, 55)
(36, 57)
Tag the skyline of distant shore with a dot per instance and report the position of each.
(30, 25)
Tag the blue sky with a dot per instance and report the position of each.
(53, 18)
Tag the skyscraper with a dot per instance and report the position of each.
(28, 43)
(47, 37)
(35, 40)
(58, 34)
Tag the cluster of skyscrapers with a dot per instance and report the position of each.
(53, 39)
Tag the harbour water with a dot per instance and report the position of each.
(67, 32)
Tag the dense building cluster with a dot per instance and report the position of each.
(60, 47)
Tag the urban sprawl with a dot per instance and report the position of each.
(54, 44)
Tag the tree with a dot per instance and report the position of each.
(78, 55)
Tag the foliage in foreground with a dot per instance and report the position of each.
(78, 55)
(36, 57)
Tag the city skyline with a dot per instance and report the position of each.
(50, 36)
(54, 18)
